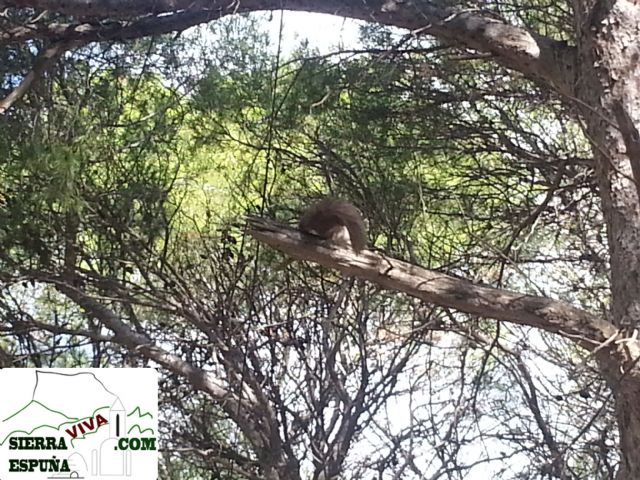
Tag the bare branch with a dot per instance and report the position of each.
(140, 344)
(260, 430)
(438, 288)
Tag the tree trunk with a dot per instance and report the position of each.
(609, 58)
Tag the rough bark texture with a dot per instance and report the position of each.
(609, 86)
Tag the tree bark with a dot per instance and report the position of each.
(534, 55)
(610, 93)
(439, 288)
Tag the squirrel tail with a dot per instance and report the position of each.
(332, 219)
(357, 230)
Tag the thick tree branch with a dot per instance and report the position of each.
(535, 56)
(438, 288)
(110, 8)
(110, 30)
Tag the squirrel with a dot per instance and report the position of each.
(336, 220)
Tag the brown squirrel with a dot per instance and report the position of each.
(336, 220)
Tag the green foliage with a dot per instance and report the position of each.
(94, 167)
(374, 129)
(445, 157)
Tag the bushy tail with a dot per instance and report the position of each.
(328, 219)
(357, 229)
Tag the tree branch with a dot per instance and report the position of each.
(259, 428)
(438, 288)
(537, 57)
(240, 409)
(45, 60)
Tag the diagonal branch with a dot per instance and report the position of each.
(108, 8)
(438, 288)
(241, 410)
(111, 30)
(45, 60)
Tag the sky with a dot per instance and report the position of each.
(323, 31)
